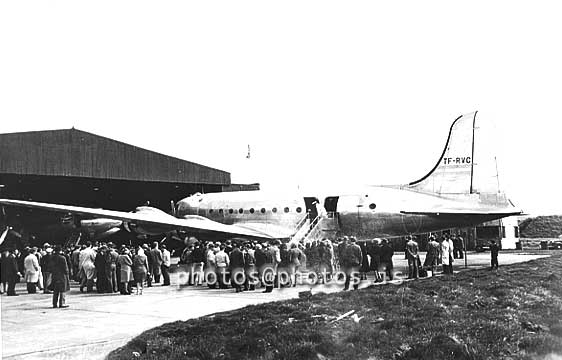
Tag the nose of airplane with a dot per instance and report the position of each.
(189, 205)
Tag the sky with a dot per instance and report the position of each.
(325, 93)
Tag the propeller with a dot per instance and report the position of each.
(173, 206)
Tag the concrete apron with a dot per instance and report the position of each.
(95, 324)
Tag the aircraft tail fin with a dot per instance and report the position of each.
(466, 166)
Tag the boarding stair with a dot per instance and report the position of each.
(323, 226)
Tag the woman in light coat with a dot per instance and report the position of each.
(125, 263)
(447, 255)
(32, 271)
(140, 269)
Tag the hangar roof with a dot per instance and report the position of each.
(76, 153)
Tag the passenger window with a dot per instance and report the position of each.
(274, 210)
(286, 209)
(230, 211)
(262, 210)
(210, 211)
(241, 211)
(251, 210)
(220, 211)
(372, 206)
(299, 209)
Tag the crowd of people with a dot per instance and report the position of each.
(244, 266)
(101, 265)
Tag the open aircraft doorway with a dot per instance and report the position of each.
(331, 205)
(311, 204)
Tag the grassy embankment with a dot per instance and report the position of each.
(541, 227)
(515, 313)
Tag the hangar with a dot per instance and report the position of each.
(75, 167)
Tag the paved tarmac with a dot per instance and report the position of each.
(95, 324)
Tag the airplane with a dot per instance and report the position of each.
(461, 190)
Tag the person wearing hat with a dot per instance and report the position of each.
(45, 264)
(32, 270)
(60, 277)
(10, 271)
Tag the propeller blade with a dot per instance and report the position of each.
(173, 206)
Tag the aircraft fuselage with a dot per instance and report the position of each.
(369, 212)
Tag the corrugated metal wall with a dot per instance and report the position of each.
(80, 154)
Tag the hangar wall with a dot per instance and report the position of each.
(76, 153)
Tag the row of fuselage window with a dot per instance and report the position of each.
(251, 211)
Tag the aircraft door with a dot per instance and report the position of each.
(331, 205)
(311, 209)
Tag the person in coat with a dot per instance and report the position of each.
(387, 252)
(412, 255)
(10, 271)
(32, 269)
(351, 262)
(60, 277)
(45, 265)
(111, 268)
(87, 260)
(222, 263)
(237, 267)
(102, 284)
(295, 255)
(432, 254)
(140, 269)
(157, 262)
(272, 259)
(126, 274)
(249, 268)
(447, 255)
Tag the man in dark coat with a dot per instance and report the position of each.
(61, 280)
(237, 267)
(45, 263)
(157, 262)
(150, 258)
(387, 252)
(10, 271)
(352, 258)
(100, 263)
(272, 258)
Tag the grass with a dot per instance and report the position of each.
(515, 313)
(541, 227)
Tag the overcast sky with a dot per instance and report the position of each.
(325, 93)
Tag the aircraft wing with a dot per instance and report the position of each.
(162, 219)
